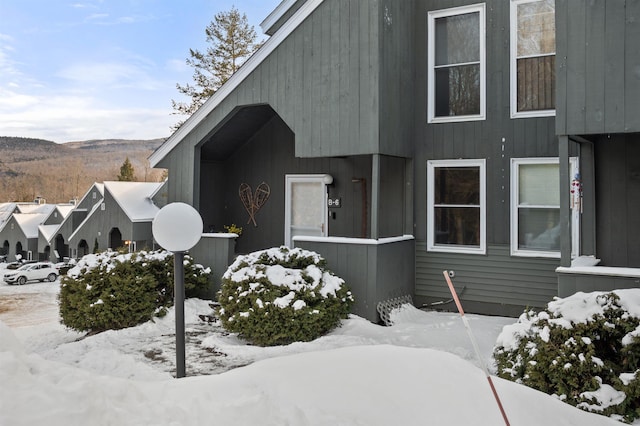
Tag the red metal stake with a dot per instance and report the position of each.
(475, 345)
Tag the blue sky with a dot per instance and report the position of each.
(100, 69)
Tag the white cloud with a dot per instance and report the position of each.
(72, 118)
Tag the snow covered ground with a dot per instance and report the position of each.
(422, 370)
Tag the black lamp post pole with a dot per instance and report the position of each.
(178, 302)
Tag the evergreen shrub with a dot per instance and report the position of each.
(583, 349)
(281, 295)
(111, 290)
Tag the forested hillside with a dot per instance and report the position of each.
(31, 168)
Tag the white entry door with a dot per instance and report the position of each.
(305, 207)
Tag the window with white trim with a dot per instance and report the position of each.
(533, 58)
(456, 64)
(456, 206)
(535, 207)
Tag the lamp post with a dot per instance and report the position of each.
(177, 227)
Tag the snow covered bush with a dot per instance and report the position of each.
(584, 349)
(112, 290)
(281, 295)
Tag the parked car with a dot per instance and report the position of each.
(63, 267)
(39, 271)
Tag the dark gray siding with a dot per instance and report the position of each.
(324, 81)
(598, 66)
(498, 277)
(396, 77)
(618, 200)
(498, 283)
(373, 272)
(267, 157)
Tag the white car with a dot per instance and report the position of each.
(39, 271)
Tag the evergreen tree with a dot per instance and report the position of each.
(232, 41)
(126, 172)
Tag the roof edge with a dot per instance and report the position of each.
(276, 14)
(234, 81)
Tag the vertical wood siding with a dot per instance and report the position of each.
(495, 277)
(598, 70)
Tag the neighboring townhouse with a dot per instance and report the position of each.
(122, 218)
(497, 139)
(48, 229)
(20, 232)
(58, 240)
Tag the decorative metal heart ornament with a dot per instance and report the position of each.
(253, 202)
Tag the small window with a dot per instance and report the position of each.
(456, 68)
(102, 207)
(533, 58)
(456, 206)
(535, 210)
(93, 194)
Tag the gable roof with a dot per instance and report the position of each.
(48, 231)
(94, 208)
(29, 223)
(65, 209)
(97, 186)
(135, 198)
(236, 79)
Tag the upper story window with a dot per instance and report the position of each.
(456, 206)
(456, 64)
(533, 58)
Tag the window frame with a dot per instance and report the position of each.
(515, 192)
(450, 248)
(513, 65)
(443, 13)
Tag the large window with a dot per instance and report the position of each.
(533, 58)
(535, 212)
(456, 206)
(456, 68)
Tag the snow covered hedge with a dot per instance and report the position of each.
(113, 290)
(281, 295)
(584, 349)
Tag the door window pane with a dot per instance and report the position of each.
(306, 203)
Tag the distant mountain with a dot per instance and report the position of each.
(59, 172)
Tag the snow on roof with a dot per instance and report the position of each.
(236, 79)
(29, 222)
(135, 198)
(48, 231)
(28, 208)
(65, 209)
(6, 210)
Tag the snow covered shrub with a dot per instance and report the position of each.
(584, 349)
(113, 290)
(281, 295)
